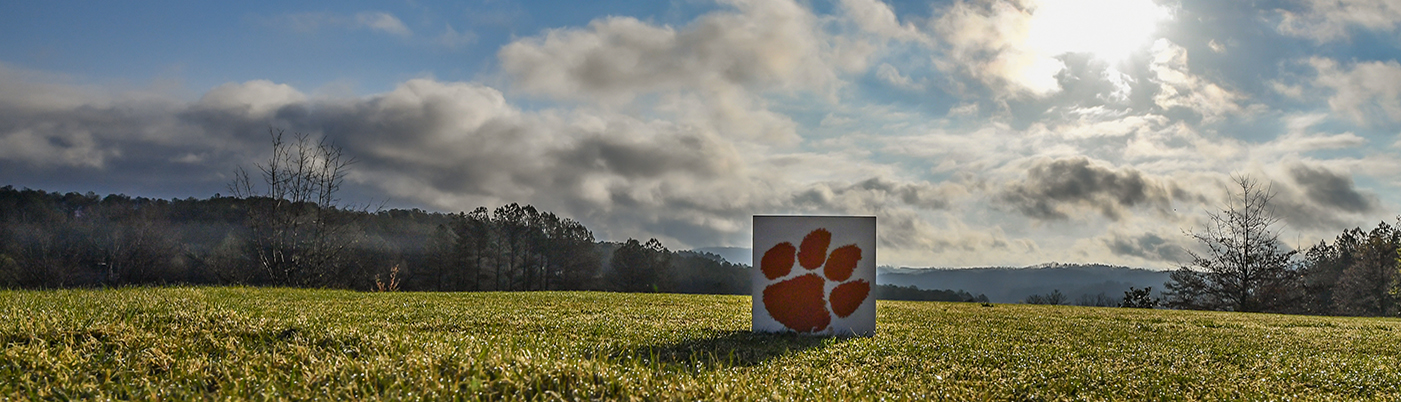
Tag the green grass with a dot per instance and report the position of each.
(244, 343)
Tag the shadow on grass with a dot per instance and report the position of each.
(727, 349)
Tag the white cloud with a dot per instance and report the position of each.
(832, 120)
(710, 73)
(1216, 47)
(877, 17)
(1014, 47)
(383, 22)
(763, 44)
(452, 39)
(987, 40)
(1179, 88)
(1300, 138)
(1329, 20)
(963, 109)
(1288, 90)
(943, 239)
(54, 147)
(892, 76)
(255, 99)
(1366, 92)
(315, 21)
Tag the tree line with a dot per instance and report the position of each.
(64, 240)
(1133, 298)
(1242, 265)
(60, 240)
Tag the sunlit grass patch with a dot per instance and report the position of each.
(184, 343)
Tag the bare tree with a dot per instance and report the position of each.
(1243, 267)
(1053, 298)
(300, 232)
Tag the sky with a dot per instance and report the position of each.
(978, 132)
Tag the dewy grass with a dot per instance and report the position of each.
(248, 343)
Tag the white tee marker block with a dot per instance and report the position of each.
(815, 274)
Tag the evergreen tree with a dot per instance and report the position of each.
(1364, 288)
(638, 267)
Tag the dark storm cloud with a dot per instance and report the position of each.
(1332, 190)
(632, 158)
(1054, 188)
(1321, 199)
(876, 193)
(1147, 246)
(65, 138)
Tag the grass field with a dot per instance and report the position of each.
(246, 343)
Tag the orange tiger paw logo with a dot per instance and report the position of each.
(801, 303)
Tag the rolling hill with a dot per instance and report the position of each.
(1012, 285)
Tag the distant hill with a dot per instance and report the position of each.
(735, 255)
(1003, 284)
(1012, 285)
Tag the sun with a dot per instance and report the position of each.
(1110, 30)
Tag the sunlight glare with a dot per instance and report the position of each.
(1110, 30)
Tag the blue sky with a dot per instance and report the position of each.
(979, 132)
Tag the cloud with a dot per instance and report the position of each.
(1053, 189)
(1300, 138)
(372, 20)
(1329, 20)
(878, 194)
(1147, 246)
(944, 240)
(383, 22)
(763, 44)
(987, 40)
(1016, 47)
(1332, 190)
(1179, 88)
(1311, 197)
(53, 145)
(1367, 92)
(255, 99)
(877, 17)
(966, 109)
(47, 121)
(452, 39)
(710, 72)
(890, 75)
(1216, 46)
